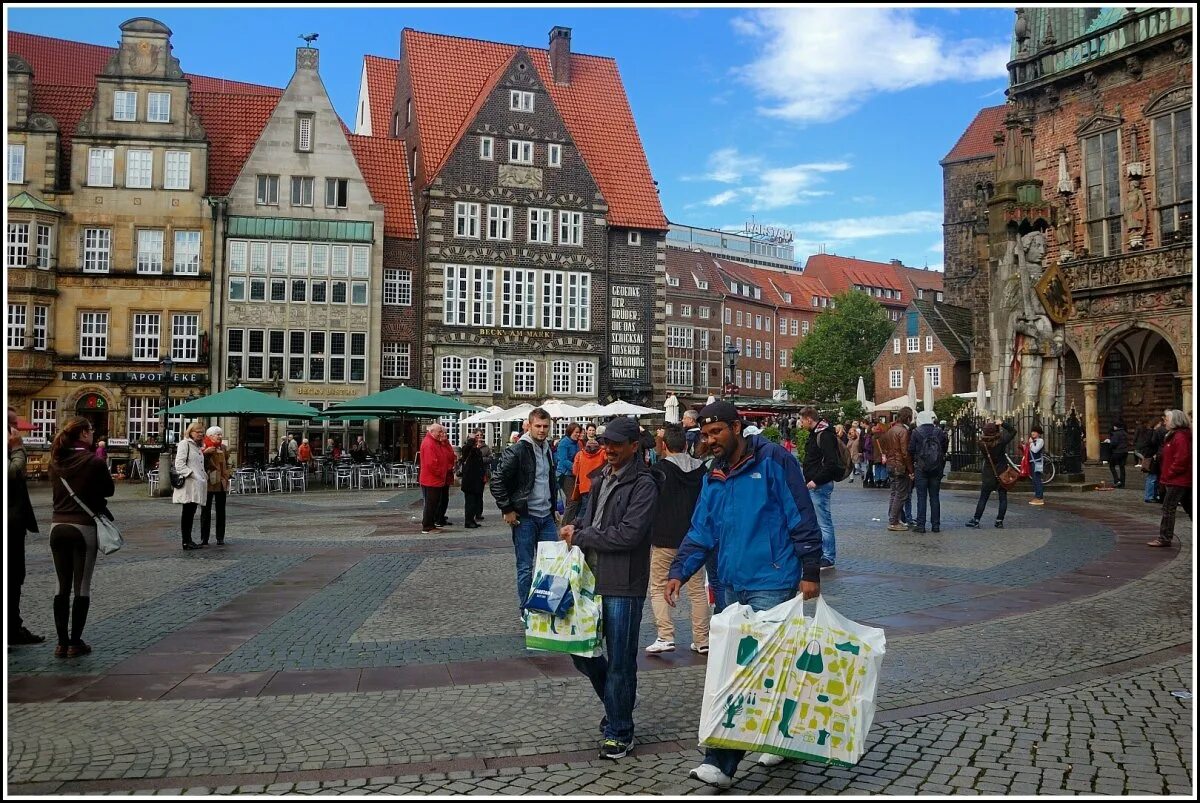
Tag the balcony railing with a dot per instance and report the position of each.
(1172, 261)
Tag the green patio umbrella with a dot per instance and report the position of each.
(401, 400)
(242, 401)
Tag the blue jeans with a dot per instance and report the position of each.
(727, 760)
(880, 473)
(820, 498)
(929, 485)
(1151, 488)
(528, 531)
(615, 678)
(1037, 484)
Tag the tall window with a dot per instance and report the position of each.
(125, 106)
(914, 345)
(268, 190)
(150, 251)
(1172, 168)
(895, 345)
(929, 342)
(679, 373)
(97, 250)
(93, 335)
(185, 337)
(336, 192)
(159, 107)
(337, 356)
(466, 219)
(518, 298)
(487, 148)
(896, 378)
(178, 170)
(1103, 187)
(454, 302)
(524, 378)
(16, 326)
(187, 253)
(18, 245)
(499, 222)
(478, 374)
(552, 299)
(483, 296)
(44, 240)
(397, 287)
(579, 301)
(560, 377)
(358, 356)
(16, 164)
(145, 336)
(451, 379)
(44, 417)
(520, 152)
(316, 356)
(585, 379)
(539, 226)
(302, 191)
(41, 317)
(397, 358)
(100, 167)
(304, 132)
(139, 169)
(934, 374)
(554, 159)
(570, 228)
(497, 375)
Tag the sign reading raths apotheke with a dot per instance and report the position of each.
(628, 338)
(135, 377)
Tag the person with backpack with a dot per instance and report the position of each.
(928, 446)
(823, 465)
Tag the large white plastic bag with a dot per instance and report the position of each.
(796, 687)
(579, 632)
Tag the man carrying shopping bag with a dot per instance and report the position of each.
(755, 503)
(614, 533)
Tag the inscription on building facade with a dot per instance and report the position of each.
(627, 333)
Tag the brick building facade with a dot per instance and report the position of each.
(693, 324)
(931, 339)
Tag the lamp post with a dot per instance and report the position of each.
(730, 353)
(165, 458)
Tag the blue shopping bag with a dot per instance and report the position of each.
(551, 593)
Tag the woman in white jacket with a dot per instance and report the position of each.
(189, 464)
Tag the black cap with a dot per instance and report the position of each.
(718, 411)
(620, 430)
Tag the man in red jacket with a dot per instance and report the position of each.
(451, 460)
(435, 468)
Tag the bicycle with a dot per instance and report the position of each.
(1048, 466)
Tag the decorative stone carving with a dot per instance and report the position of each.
(42, 122)
(1133, 67)
(1182, 48)
(1135, 214)
(1021, 32)
(521, 177)
(1030, 343)
(1064, 230)
(521, 129)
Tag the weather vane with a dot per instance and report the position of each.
(309, 38)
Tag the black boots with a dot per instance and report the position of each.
(79, 613)
(62, 614)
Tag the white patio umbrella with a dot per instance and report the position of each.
(672, 407)
(912, 390)
(559, 409)
(861, 394)
(518, 413)
(927, 395)
(894, 405)
(621, 407)
(711, 399)
(590, 410)
(981, 394)
(482, 417)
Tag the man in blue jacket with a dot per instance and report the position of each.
(756, 508)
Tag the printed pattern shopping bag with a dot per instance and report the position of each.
(796, 687)
(579, 632)
(550, 591)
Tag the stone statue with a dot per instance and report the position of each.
(1135, 214)
(1064, 231)
(1029, 341)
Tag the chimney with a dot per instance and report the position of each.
(560, 54)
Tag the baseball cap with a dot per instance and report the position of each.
(620, 430)
(718, 411)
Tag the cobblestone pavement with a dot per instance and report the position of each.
(330, 648)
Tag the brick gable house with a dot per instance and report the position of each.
(931, 339)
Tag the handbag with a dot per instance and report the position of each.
(1008, 478)
(108, 537)
(177, 480)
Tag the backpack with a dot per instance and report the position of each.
(930, 458)
(844, 462)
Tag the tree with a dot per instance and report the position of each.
(843, 346)
(948, 408)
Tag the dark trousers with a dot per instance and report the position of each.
(985, 493)
(901, 489)
(1116, 465)
(567, 483)
(1173, 495)
(206, 516)
(434, 502)
(473, 504)
(189, 515)
(443, 505)
(15, 575)
(929, 486)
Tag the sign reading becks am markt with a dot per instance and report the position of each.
(627, 327)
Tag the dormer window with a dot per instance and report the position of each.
(635, 238)
(787, 298)
(672, 281)
(519, 101)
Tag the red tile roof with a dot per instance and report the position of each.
(381, 92)
(384, 165)
(449, 74)
(62, 62)
(977, 141)
(839, 274)
(233, 124)
(67, 105)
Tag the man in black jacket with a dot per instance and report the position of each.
(526, 493)
(614, 533)
(680, 476)
(20, 520)
(821, 469)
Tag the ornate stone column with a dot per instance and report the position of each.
(1185, 381)
(1091, 420)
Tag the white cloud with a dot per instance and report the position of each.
(938, 248)
(862, 228)
(820, 63)
(722, 198)
(761, 186)
(727, 166)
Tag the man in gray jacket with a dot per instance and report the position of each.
(614, 532)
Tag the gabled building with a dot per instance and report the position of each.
(543, 237)
(933, 340)
(892, 284)
(693, 320)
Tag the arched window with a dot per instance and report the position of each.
(451, 374)
(560, 377)
(524, 378)
(477, 375)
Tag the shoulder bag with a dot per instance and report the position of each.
(108, 537)
(177, 480)
(1008, 478)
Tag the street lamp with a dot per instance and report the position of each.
(731, 353)
(165, 458)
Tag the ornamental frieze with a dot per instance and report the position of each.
(520, 177)
(541, 340)
(1114, 272)
(521, 129)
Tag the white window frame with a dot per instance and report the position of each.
(685, 310)
(43, 414)
(97, 250)
(554, 158)
(397, 287)
(456, 281)
(803, 328)
(466, 220)
(499, 222)
(560, 377)
(895, 345)
(520, 101)
(100, 167)
(16, 163)
(783, 325)
(896, 378)
(783, 358)
(147, 334)
(487, 149)
(45, 242)
(585, 378)
(396, 361)
(125, 106)
(934, 372)
(518, 298)
(304, 132)
(139, 169)
(570, 228)
(18, 245)
(520, 152)
(680, 373)
(150, 251)
(17, 319)
(158, 107)
(541, 230)
(478, 375)
(41, 326)
(728, 316)
(482, 298)
(524, 375)
(266, 190)
(928, 343)
(766, 380)
(554, 285)
(358, 357)
(299, 185)
(93, 335)
(185, 337)
(450, 374)
(177, 170)
(913, 345)
(339, 189)
(579, 302)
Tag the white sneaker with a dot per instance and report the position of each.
(660, 645)
(770, 760)
(712, 776)
(702, 650)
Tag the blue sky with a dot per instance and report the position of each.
(829, 121)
